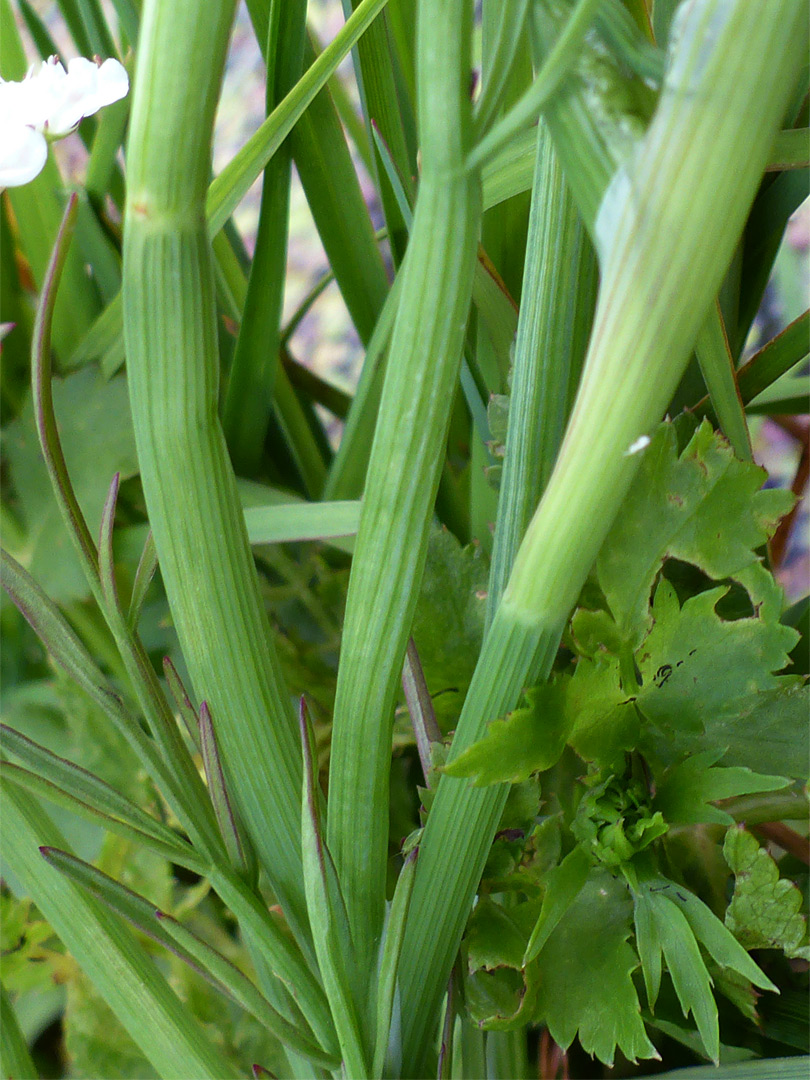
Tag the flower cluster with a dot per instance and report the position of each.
(48, 104)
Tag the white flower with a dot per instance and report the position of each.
(48, 104)
(23, 152)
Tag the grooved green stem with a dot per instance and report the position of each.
(194, 510)
(560, 284)
(404, 470)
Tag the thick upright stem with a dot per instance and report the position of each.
(404, 469)
(194, 510)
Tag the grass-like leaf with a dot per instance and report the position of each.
(327, 910)
(130, 983)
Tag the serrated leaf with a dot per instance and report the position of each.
(686, 790)
(764, 912)
(493, 938)
(603, 718)
(704, 678)
(682, 506)
(97, 440)
(449, 623)
(528, 740)
(497, 1000)
(585, 984)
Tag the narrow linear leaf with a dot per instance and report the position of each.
(106, 561)
(389, 962)
(557, 65)
(182, 700)
(648, 945)
(15, 1059)
(227, 978)
(114, 961)
(717, 367)
(45, 789)
(232, 184)
(689, 975)
(327, 910)
(237, 843)
(420, 706)
(68, 652)
(83, 786)
(201, 957)
(145, 571)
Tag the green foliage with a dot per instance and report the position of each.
(702, 506)
(573, 797)
(449, 621)
(592, 993)
(614, 821)
(32, 958)
(688, 788)
(765, 909)
(98, 442)
(96, 1044)
(660, 675)
(527, 741)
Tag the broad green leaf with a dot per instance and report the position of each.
(449, 621)
(97, 441)
(685, 791)
(528, 740)
(704, 677)
(764, 912)
(498, 1000)
(493, 938)
(703, 506)
(499, 990)
(586, 984)
(563, 885)
(604, 720)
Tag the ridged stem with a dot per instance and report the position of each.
(194, 510)
(404, 470)
(560, 280)
(667, 226)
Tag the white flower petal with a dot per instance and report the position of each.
(51, 101)
(97, 84)
(23, 153)
(113, 82)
